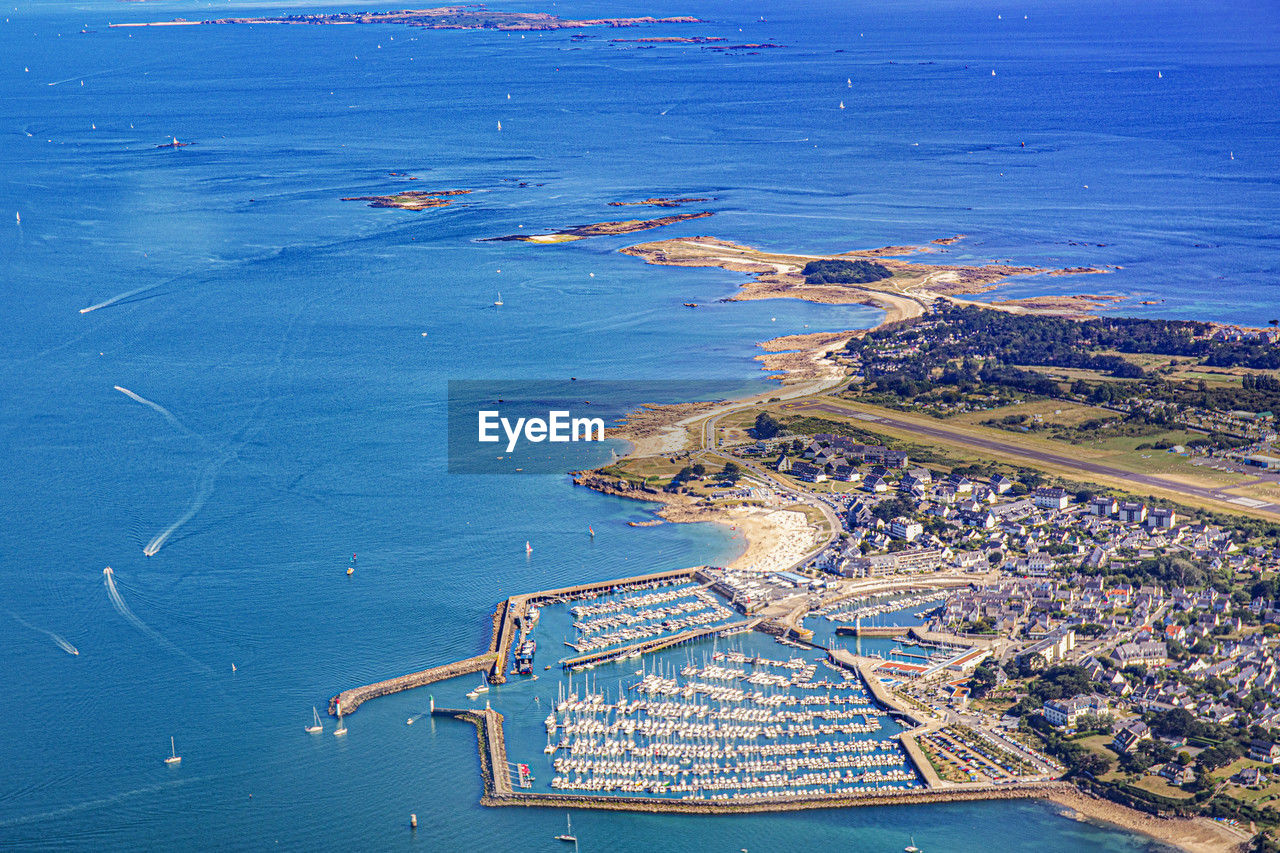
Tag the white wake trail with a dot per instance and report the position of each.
(113, 300)
(62, 643)
(202, 494)
(168, 415)
(123, 609)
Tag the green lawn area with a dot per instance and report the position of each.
(1251, 795)
(1157, 785)
(1098, 744)
(1052, 412)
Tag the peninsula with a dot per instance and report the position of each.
(902, 288)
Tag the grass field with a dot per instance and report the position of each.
(1260, 491)
(1051, 412)
(1119, 452)
(1158, 785)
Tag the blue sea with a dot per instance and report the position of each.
(287, 353)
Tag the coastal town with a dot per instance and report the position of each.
(1124, 640)
(984, 552)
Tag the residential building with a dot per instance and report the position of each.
(1052, 497)
(905, 528)
(1065, 712)
(1265, 751)
(1130, 735)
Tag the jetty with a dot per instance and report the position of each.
(515, 610)
(508, 618)
(349, 700)
(656, 645)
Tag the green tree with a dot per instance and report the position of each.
(767, 426)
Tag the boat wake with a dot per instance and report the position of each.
(120, 297)
(203, 490)
(123, 609)
(168, 415)
(118, 603)
(62, 643)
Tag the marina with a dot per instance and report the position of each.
(668, 699)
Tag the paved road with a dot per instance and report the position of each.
(945, 434)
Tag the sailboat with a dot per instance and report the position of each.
(498, 301)
(528, 549)
(342, 728)
(911, 848)
(842, 105)
(568, 833)
(591, 531)
(315, 728)
(173, 758)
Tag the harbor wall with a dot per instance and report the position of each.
(505, 617)
(655, 805)
(923, 765)
(352, 699)
(870, 630)
(648, 646)
(885, 698)
(516, 608)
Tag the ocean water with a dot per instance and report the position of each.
(282, 331)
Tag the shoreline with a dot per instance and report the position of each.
(767, 535)
(805, 359)
(1194, 834)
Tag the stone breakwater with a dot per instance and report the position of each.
(349, 700)
(507, 617)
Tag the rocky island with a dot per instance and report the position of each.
(473, 17)
(659, 202)
(411, 199)
(600, 229)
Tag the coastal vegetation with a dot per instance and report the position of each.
(839, 271)
(963, 357)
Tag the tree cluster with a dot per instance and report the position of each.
(844, 272)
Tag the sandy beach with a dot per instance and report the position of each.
(775, 539)
(1195, 835)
